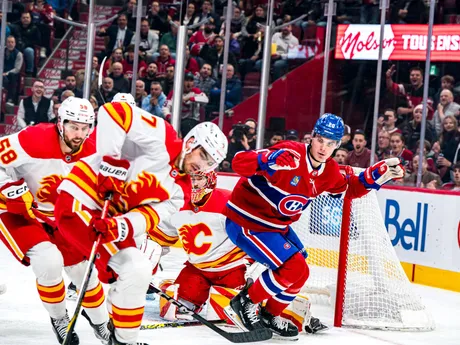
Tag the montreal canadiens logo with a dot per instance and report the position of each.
(291, 205)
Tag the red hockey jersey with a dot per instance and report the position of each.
(262, 202)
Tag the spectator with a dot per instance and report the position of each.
(36, 108)
(80, 75)
(66, 94)
(412, 93)
(117, 56)
(128, 64)
(106, 92)
(252, 133)
(70, 84)
(411, 129)
(127, 10)
(190, 17)
(428, 154)
(170, 40)
(251, 34)
(17, 10)
(346, 139)
(407, 12)
(94, 103)
(455, 184)
(155, 101)
(341, 156)
(158, 19)
(12, 67)
(202, 37)
(447, 83)
(360, 157)
(215, 56)
(430, 180)
(192, 99)
(43, 16)
(292, 134)
(446, 107)
(120, 83)
(232, 92)
(389, 121)
(56, 107)
(119, 36)
(242, 138)
(370, 12)
(203, 80)
(150, 76)
(238, 20)
(148, 44)
(191, 65)
(306, 139)
(207, 12)
(383, 149)
(140, 93)
(399, 150)
(27, 35)
(449, 141)
(168, 82)
(164, 60)
(275, 138)
(283, 40)
(8, 29)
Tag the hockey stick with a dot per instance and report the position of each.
(239, 337)
(89, 270)
(178, 324)
(99, 78)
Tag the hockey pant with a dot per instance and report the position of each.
(122, 264)
(283, 254)
(47, 252)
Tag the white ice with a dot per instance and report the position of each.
(24, 321)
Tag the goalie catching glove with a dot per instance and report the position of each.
(283, 159)
(115, 229)
(19, 199)
(382, 172)
(112, 176)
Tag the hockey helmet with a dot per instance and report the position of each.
(329, 126)
(124, 97)
(209, 136)
(75, 109)
(202, 184)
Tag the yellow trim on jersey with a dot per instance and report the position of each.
(88, 171)
(13, 245)
(94, 291)
(83, 186)
(94, 304)
(53, 300)
(49, 289)
(120, 324)
(125, 123)
(127, 312)
(149, 214)
(85, 216)
(111, 248)
(222, 259)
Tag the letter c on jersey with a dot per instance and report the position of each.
(189, 235)
(292, 204)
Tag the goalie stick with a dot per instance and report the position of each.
(161, 325)
(239, 337)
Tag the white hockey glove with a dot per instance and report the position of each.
(153, 251)
(382, 172)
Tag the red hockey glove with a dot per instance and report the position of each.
(382, 172)
(112, 176)
(283, 159)
(112, 229)
(19, 199)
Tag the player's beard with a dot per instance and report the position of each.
(73, 144)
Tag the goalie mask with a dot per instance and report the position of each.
(202, 184)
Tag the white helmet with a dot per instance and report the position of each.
(209, 136)
(76, 109)
(124, 97)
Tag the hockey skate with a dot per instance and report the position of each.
(101, 331)
(60, 329)
(243, 312)
(113, 339)
(71, 292)
(315, 326)
(280, 327)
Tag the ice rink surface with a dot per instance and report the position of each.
(24, 321)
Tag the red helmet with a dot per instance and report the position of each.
(203, 183)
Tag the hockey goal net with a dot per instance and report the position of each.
(354, 267)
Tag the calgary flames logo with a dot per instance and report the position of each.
(189, 235)
(48, 189)
(146, 188)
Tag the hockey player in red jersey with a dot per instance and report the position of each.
(33, 163)
(277, 185)
(212, 258)
(141, 161)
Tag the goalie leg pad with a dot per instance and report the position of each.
(193, 285)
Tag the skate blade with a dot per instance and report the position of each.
(279, 337)
(235, 318)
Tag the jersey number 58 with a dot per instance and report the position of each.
(7, 155)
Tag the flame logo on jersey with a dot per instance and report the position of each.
(47, 193)
(189, 233)
(146, 188)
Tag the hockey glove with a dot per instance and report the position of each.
(19, 199)
(112, 176)
(115, 229)
(382, 172)
(283, 159)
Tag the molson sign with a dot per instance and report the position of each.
(400, 42)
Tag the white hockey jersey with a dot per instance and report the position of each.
(153, 189)
(204, 238)
(35, 155)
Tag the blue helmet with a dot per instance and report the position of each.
(329, 126)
